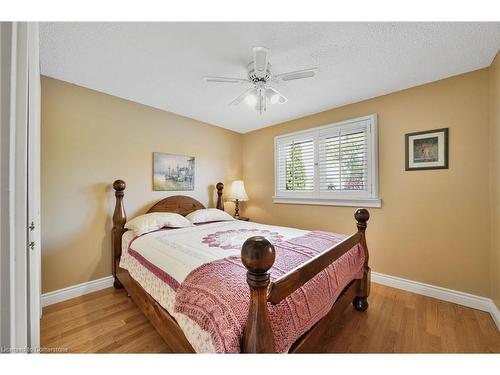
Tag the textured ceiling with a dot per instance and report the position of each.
(162, 64)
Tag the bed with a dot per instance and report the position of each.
(236, 286)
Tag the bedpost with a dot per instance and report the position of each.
(119, 220)
(360, 302)
(220, 202)
(257, 255)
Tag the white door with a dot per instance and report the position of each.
(33, 225)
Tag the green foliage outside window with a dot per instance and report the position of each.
(295, 171)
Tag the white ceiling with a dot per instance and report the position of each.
(162, 64)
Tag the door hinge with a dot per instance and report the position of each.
(31, 245)
(32, 226)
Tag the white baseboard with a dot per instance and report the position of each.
(495, 314)
(460, 298)
(449, 295)
(76, 290)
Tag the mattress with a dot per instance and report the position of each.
(161, 262)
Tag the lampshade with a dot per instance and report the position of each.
(238, 191)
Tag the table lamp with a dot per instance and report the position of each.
(238, 194)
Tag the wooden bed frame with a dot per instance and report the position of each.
(257, 254)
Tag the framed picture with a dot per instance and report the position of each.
(427, 150)
(172, 172)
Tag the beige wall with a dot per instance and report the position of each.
(88, 140)
(433, 226)
(495, 178)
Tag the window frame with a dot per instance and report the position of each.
(365, 198)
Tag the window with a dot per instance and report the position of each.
(335, 164)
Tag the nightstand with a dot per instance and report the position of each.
(243, 218)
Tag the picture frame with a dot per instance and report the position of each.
(426, 150)
(172, 172)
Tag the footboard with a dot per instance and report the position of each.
(258, 256)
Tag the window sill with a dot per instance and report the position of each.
(356, 202)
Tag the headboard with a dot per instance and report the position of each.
(184, 205)
(180, 204)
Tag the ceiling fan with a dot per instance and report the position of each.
(261, 79)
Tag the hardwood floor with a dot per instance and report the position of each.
(396, 322)
(102, 322)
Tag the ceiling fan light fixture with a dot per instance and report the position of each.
(261, 77)
(274, 96)
(251, 100)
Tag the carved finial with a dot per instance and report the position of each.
(257, 255)
(361, 215)
(119, 185)
(219, 187)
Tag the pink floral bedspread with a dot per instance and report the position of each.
(216, 295)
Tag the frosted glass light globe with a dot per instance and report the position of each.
(251, 100)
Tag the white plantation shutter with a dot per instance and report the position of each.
(334, 164)
(296, 164)
(343, 159)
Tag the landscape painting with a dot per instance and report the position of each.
(172, 172)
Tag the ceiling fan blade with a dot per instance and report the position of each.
(299, 74)
(281, 98)
(225, 80)
(260, 61)
(242, 97)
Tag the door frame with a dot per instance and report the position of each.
(19, 50)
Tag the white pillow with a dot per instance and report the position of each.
(208, 214)
(157, 220)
